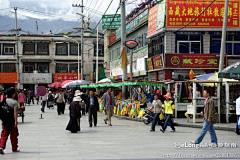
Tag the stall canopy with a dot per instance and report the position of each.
(77, 83)
(55, 85)
(126, 83)
(1, 88)
(106, 80)
(212, 77)
(232, 71)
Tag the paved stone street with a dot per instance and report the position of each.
(47, 139)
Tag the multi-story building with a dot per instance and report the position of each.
(44, 59)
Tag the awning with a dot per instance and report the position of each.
(36, 60)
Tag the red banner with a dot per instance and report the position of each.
(181, 12)
(152, 19)
(157, 62)
(8, 77)
(191, 60)
(60, 77)
(112, 38)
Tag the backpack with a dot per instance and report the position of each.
(7, 115)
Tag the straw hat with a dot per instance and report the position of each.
(50, 92)
(168, 95)
(77, 99)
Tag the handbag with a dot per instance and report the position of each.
(215, 118)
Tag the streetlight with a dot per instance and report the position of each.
(131, 45)
(97, 46)
(78, 55)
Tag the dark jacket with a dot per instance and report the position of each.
(209, 109)
(75, 110)
(96, 104)
(7, 118)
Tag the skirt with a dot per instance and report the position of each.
(73, 125)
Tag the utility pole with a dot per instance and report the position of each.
(16, 51)
(81, 6)
(123, 40)
(97, 59)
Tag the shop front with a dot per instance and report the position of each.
(33, 80)
(8, 80)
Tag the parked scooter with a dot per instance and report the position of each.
(147, 117)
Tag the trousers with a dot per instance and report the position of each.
(13, 137)
(109, 114)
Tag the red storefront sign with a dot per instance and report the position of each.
(112, 38)
(181, 12)
(157, 62)
(60, 77)
(152, 19)
(191, 60)
(8, 77)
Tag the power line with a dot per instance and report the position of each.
(89, 6)
(93, 9)
(97, 9)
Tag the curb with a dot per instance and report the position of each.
(191, 125)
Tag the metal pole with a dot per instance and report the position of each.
(225, 19)
(82, 46)
(131, 77)
(18, 68)
(123, 40)
(97, 59)
(194, 101)
(78, 61)
(227, 101)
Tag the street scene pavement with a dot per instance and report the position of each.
(48, 139)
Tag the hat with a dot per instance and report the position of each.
(49, 92)
(168, 95)
(158, 91)
(77, 99)
(78, 93)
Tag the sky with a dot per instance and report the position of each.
(60, 9)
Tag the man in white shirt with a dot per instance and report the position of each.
(44, 101)
(238, 115)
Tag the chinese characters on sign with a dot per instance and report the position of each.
(31, 78)
(136, 21)
(60, 77)
(152, 19)
(181, 12)
(157, 62)
(108, 19)
(8, 77)
(192, 60)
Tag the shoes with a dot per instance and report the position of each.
(90, 125)
(1, 151)
(162, 130)
(109, 124)
(152, 130)
(105, 121)
(214, 145)
(17, 150)
(95, 125)
(173, 131)
(193, 142)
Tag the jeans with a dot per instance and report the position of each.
(207, 127)
(31, 99)
(43, 105)
(168, 120)
(60, 107)
(37, 100)
(155, 120)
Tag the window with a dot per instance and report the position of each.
(28, 67)
(61, 68)
(100, 50)
(43, 49)
(232, 44)
(189, 43)
(73, 68)
(29, 49)
(74, 49)
(156, 45)
(43, 68)
(8, 49)
(61, 49)
(145, 39)
(9, 68)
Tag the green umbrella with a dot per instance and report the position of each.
(232, 71)
(1, 87)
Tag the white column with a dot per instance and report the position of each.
(194, 102)
(227, 101)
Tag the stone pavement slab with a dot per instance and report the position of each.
(47, 139)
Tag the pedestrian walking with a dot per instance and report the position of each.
(238, 116)
(9, 117)
(31, 94)
(44, 101)
(21, 98)
(75, 113)
(209, 114)
(70, 97)
(169, 107)
(50, 100)
(60, 102)
(156, 109)
(37, 98)
(109, 103)
(93, 108)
